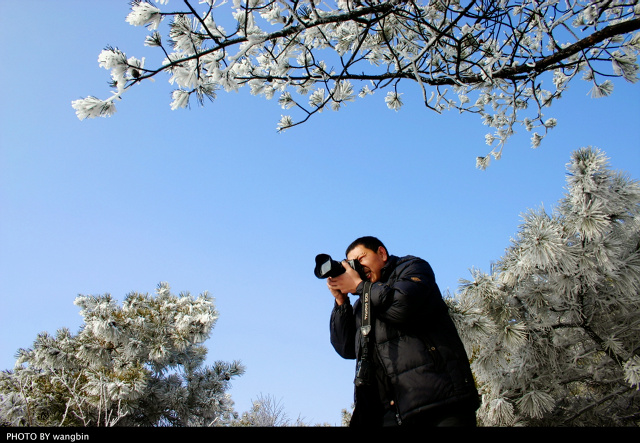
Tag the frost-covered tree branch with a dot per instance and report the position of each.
(479, 56)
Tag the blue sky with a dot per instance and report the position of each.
(214, 199)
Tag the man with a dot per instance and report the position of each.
(419, 370)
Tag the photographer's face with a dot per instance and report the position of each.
(371, 261)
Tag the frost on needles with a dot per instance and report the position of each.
(506, 61)
(553, 331)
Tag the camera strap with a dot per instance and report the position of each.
(365, 327)
(363, 370)
(366, 309)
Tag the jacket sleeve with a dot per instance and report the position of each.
(410, 297)
(343, 330)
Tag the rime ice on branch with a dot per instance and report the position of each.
(484, 57)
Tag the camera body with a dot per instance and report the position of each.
(327, 267)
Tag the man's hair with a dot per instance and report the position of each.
(368, 242)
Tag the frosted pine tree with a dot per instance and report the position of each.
(136, 365)
(553, 331)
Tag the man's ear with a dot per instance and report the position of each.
(382, 252)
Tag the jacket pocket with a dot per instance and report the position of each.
(407, 352)
(434, 352)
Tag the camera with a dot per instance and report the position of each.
(328, 267)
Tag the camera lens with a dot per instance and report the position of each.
(327, 267)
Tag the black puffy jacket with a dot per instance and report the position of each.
(419, 357)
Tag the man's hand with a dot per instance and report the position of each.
(344, 284)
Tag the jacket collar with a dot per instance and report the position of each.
(388, 268)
